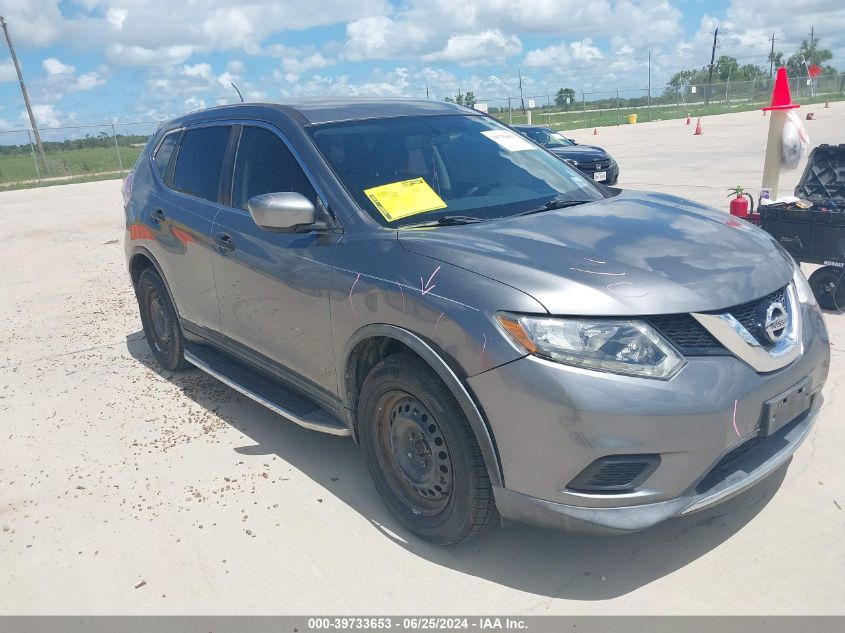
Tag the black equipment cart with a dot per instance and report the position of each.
(816, 235)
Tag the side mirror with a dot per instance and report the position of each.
(284, 211)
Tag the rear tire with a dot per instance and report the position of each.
(422, 453)
(160, 321)
(828, 287)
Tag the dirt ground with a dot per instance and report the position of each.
(128, 490)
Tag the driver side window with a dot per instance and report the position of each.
(264, 164)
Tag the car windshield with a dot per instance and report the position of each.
(546, 137)
(408, 170)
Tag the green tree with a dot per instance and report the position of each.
(469, 99)
(564, 98)
(726, 67)
(808, 54)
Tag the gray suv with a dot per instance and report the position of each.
(504, 337)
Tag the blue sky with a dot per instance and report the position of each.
(95, 61)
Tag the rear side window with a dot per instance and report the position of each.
(164, 152)
(200, 161)
(264, 164)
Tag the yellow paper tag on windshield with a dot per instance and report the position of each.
(402, 199)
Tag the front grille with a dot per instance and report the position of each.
(746, 314)
(692, 339)
(687, 334)
(596, 166)
(615, 473)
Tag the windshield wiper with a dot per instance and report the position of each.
(446, 220)
(555, 203)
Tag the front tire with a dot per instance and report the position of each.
(826, 284)
(422, 453)
(160, 321)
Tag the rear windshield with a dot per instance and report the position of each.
(545, 136)
(411, 169)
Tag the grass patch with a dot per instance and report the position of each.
(34, 184)
(17, 169)
(579, 119)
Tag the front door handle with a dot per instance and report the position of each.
(157, 216)
(223, 242)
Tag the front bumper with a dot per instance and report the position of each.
(612, 172)
(743, 473)
(551, 421)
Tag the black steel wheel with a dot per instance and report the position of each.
(160, 321)
(412, 449)
(828, 287)
(422, 453)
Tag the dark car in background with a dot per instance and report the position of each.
(589, 159)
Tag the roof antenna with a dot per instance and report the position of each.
(238, 91)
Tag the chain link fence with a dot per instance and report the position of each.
(620, 107)
(71, 153)
(97, 152)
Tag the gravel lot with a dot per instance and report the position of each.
(128, 490)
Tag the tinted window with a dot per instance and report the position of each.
(200, 160)
(264, 164)
(165, 151)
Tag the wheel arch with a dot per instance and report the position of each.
(373, 342)
(141, 259)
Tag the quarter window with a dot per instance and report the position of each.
(200, 161)
(164, 152)
(264, 164)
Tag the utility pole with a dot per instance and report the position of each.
(520, 92)
(25, 95)
(812, 42)
(772, 57)
(710, 76)
(649, 86)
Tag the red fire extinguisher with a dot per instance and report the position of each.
(740, 204)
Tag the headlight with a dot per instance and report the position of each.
(633, 348)
(570, 162)
(802, 288)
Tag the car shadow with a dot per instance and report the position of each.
(543, 562)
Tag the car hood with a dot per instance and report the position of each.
(632, 254)
(581, 153)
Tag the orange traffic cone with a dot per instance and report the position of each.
(595, 131)
(697, 129)
(688, 118)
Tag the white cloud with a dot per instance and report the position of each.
(120, 55)
(236, 67)
(7, 70)
(194, 103)
(45, 115)
(314, 61)
(585, 51)
(87, 81)
(116, 17)
(54, 67)
(198, 70)
(554, 55)
(487, 46)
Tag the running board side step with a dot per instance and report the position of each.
(258, 386)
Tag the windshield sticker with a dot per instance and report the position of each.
(405, 198)
(509, 140)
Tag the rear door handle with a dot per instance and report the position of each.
(223, 242)
(157, 216)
